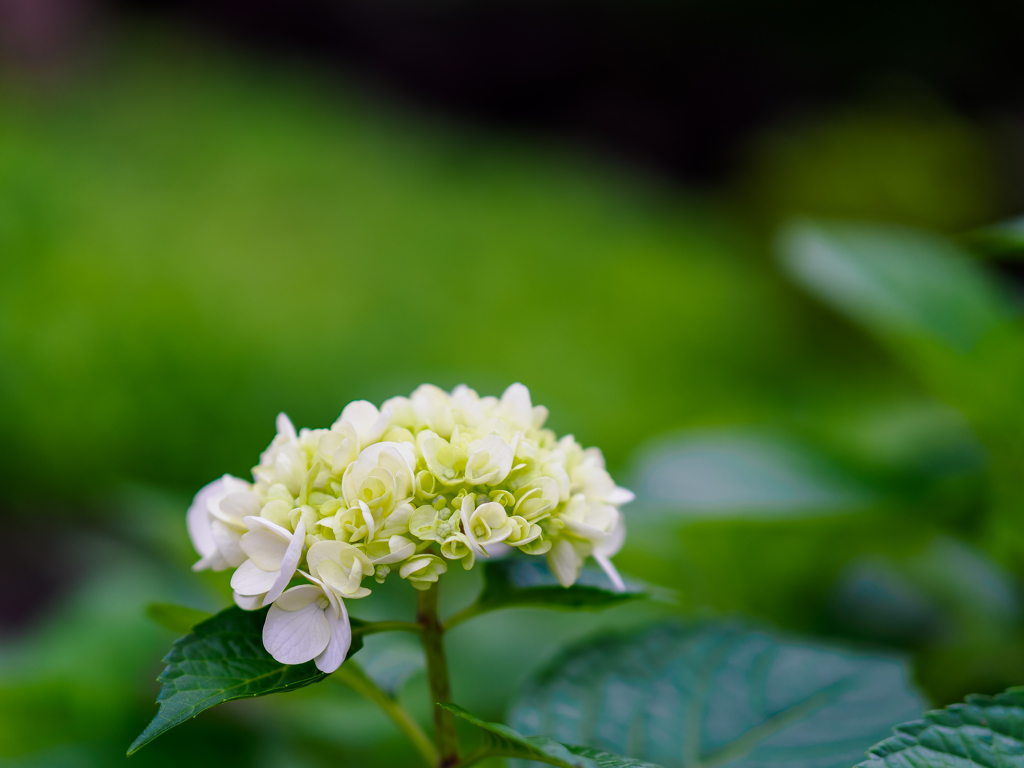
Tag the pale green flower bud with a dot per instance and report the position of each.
(424, 523)
(446, 462)
(489, 524)
(422, 570)
(523, 532)
(340, 566)
(457, 547)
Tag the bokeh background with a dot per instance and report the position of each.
(214, 211)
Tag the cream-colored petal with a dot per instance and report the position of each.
(401, 549)
(298, 597)
(264, 548)
(285, 428)
(620, 496)
(289, 563)
(248, 602)
(250, 579)
(371, 526)
(564, 562)
(609, 569)
(228, 543)
(256, 523)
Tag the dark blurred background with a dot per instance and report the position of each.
(214, 211)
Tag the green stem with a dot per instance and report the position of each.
(353, 676)
(437, 676)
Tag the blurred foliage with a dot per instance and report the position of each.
(190, 244)
(899, 157)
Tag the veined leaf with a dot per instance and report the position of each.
(223, 659)
(529, 584)
(177, 618)
(502, 741)
(985, 731)
(716, 694)
(898, 282)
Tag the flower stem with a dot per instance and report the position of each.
(437, 676)
(352, 675)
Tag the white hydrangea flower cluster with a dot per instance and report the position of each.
(424, 480)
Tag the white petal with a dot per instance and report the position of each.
(584, 531)
(368, 421)
(264, 548)
(239, 504)
(371, 526)
(613, 574)
(620, 496)
(295, 637)
(564, 563)
(197, 519)
(334, 654)
(214, 560)
(290, 562)
(228, 543)
(254, 523)
(616, 538)
(250, 579)
(285, 426)
(248, 602)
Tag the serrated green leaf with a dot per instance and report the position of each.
(716, 694)
(502, 741)
(223, 659)
(529, 584)
(177, 618)
(898, 282)
(984, 732)
(607, 759)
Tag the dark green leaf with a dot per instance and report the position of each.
(528, 583)
(502, 741)
(177, 618)
(716, 694)
(221, 660)
(898, 282)
(984, 732)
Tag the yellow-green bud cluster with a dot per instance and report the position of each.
(406, 488)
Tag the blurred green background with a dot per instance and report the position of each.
(194, 237)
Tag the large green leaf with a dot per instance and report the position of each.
(223, 659)
(501, 741)
(529, 584)
(898, 282)
(716, 694)
(985, 732)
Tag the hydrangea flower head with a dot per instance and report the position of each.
(405, 489)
